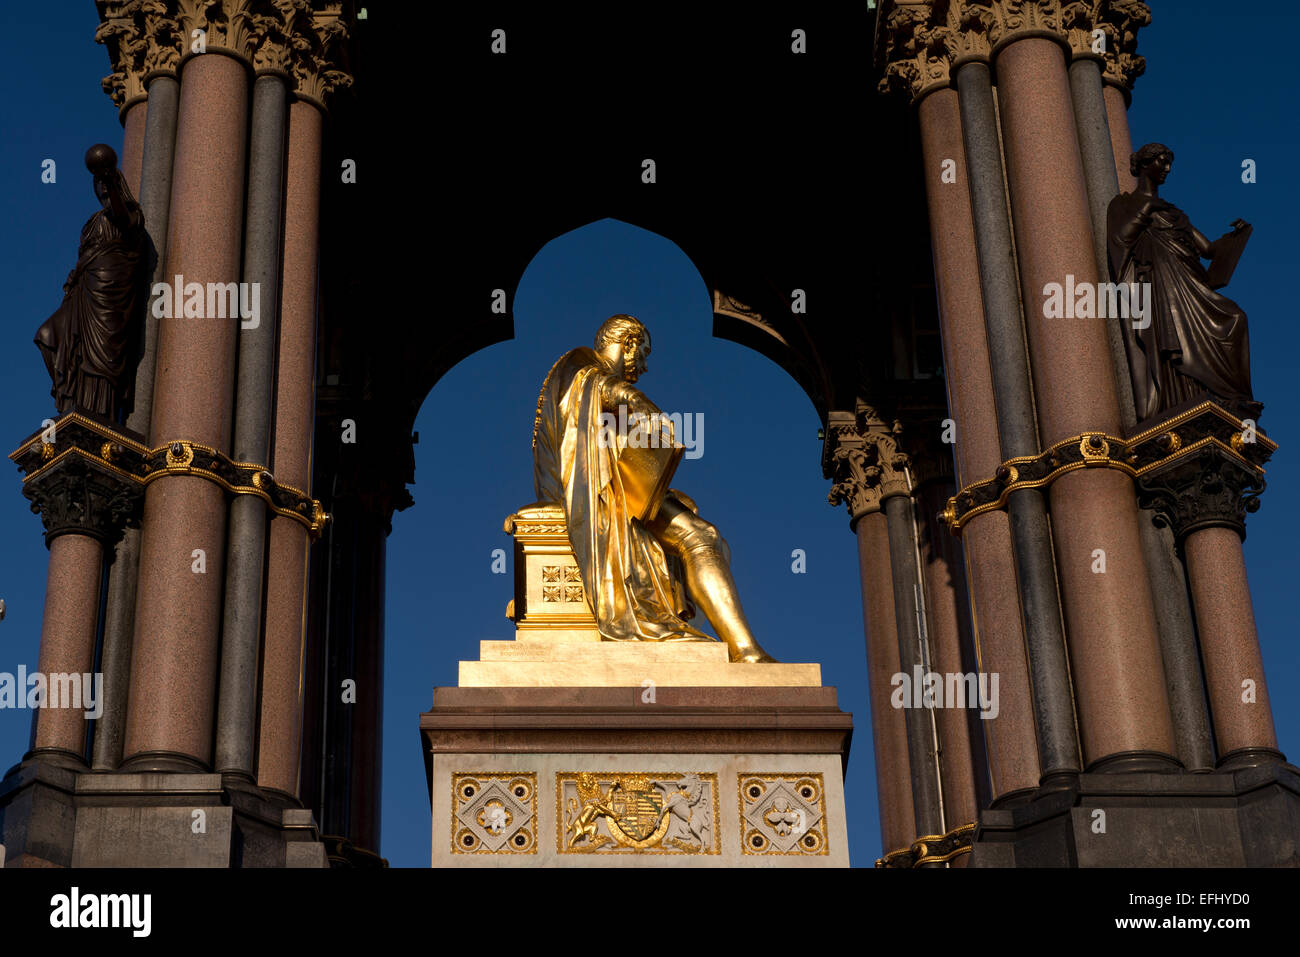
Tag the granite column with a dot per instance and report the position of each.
(1124, 716)
(1178, 649)
(999, 637)
(1234, 666)
(282, 660)
(171, 711)
(254, 406)
(155, 188)
(1053, 695)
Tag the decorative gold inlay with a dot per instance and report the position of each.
(644, 812)
(783, 814)
(180, 455)
(139, 464)
(567, 585)
(1100, 450)
(932, 849)
(1094, 447)
(494, 812)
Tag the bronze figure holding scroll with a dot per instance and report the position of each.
(1192, 339)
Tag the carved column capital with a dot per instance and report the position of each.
(1020, 19)
(972, 24)
(912, 49)
(1212, 474)
(920, 42)
(81, 478)
(138, 43)
(275, 36)
(318, 64)
(863, 455)
(1211, 489)
(301, 39)
(1121, 19)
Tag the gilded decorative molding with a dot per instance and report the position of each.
(133, 466)
(920, 44)
(932, 849)
(494, 813)
(783, 814)
(342, 853)
(548, 586)
(865, 458)
(1187, 441)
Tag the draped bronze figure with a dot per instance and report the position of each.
(91, 343)
(646, 558)
(1196, 339)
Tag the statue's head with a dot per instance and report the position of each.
(1154, 159)
(625, 342)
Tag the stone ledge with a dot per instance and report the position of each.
(728, 720)
(593, 672)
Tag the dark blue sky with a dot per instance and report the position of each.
(759, 479)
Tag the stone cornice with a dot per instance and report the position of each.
(920, 42)
(302, 40)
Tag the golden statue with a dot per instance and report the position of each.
(646, 559)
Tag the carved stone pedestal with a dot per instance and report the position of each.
(560, 749)
(637, 777)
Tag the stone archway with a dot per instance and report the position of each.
(752, 481)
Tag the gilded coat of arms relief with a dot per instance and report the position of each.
(644, 812)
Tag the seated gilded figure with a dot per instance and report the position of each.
(646, 559)
(1193, 339)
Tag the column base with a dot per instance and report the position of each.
(1242, 818)
(58, 757)
(56, 817)
(165, 762)
(1250, 758)
(1136, 762)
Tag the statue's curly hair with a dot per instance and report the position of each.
(1147, 155)
(619, 327)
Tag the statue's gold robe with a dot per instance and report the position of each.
(636, 591)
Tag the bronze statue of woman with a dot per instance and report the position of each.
(90, 344)
(1196, 339)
